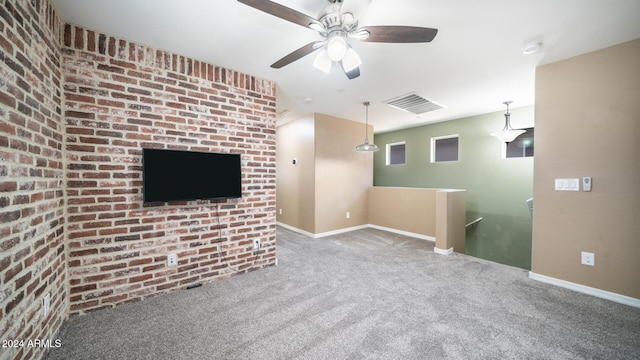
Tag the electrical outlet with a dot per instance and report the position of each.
(588, 259)
(172, 260)
(256, 244)
(46, 304)
(348, 215)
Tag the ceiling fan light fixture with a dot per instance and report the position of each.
(318, 27)
(360, 34)
(335, 22)
(348, 18)
(337, 47)
(507, 134)
(322, 62)
(351, 60)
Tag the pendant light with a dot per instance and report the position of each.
(507, 134)
(366, 146)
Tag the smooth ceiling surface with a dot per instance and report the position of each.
(470, 68)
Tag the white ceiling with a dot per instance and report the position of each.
(471, 67)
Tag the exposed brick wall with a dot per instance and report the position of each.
(32, 249)
(76, 108)
(121, 97)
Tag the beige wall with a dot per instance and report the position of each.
(331, 178)
(295, 185)
(435, 214)
(451, 208)
(588, 124)
(407, 209)
(343, 176)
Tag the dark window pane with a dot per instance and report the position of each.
(446, 149)
(397, 154)
(522, 146)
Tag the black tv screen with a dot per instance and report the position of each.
(173, 175)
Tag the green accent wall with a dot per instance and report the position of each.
(497, 188)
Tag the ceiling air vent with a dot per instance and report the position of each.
(413, 103)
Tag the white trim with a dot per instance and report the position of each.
(359, 227)
(449, 251)
(320, 235)
(339, 231)
(622, 299)
(402, 232)
(306, 233)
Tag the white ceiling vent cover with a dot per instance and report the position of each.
(413, 103)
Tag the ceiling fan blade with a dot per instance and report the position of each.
(281, 11)
(399, 34)
(297, 54)
(353, 73)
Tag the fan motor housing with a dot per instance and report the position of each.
(330, 15)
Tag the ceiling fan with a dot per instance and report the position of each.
(335, 23)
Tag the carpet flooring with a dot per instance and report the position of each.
(367, 294)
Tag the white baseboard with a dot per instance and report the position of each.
(339, 231)
(289, 227)
(449, 251)
(359, 227)
(402, 232)
(320, 235)
(622, 299)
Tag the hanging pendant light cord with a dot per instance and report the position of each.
(366, 146)
(507, 116)
(366, 120)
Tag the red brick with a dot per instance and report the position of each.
(79, 41)
(103, 178)
(91, 41)
(17, 298)
(10, 273)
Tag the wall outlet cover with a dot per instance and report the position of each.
(172, 260)
(588, 259)
(46, 304)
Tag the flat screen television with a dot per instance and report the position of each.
(176, 175)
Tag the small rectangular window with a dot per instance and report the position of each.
(396, 153)
(444, 148)
(522, 146)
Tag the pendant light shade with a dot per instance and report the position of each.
(337, 50)
(351, 60)
(507, 134)
(337, 47)
(366, 146)
(323, 62)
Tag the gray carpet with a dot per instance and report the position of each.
(364, 294)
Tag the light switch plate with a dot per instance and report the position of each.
(559, 184)
(567, 184)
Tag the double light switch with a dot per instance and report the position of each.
(573, 184)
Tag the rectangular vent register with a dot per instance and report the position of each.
(413, 103)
